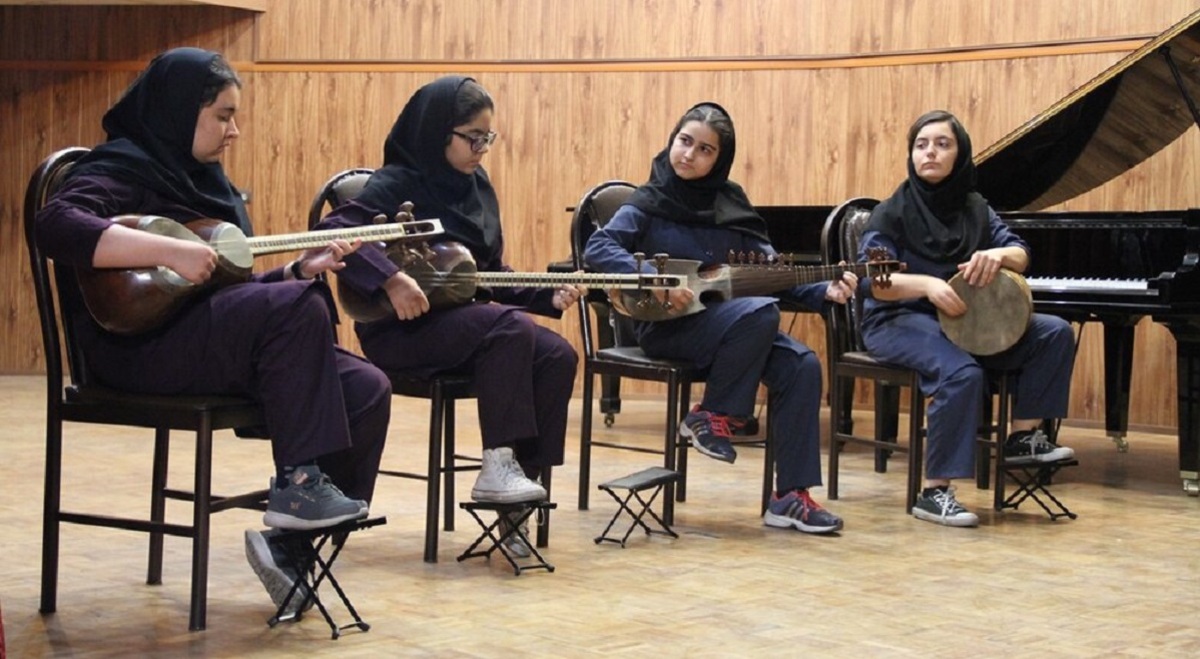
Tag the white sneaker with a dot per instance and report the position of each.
(501, 480)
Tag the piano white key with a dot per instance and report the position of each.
(1083, 285)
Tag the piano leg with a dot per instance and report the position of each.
(1187, 363)
(1118, 369)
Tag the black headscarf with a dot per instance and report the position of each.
(946, 222)
(150, 132)
(415, 169)
(711, 200)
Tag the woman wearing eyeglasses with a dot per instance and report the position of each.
(524, 373)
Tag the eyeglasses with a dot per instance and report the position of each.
(478, 142)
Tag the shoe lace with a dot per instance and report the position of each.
(716, 424)
(514, 475)
(807, 502)
(948, 504)
(325, 488)
(1040, 442)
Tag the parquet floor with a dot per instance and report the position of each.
(1121, 580)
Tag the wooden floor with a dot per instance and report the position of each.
(1120, 580)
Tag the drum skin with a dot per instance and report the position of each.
(997, 314)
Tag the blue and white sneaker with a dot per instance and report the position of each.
(797, 510)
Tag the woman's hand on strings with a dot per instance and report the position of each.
(842, 290)
(193, 261)
(675, 300)
(328, 258)
(567, 295)
(406, 296)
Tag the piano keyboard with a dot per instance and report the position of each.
(1076, 285)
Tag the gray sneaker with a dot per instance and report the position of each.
(513, 543)
(309, 500)
(270, 563)
(942, 508)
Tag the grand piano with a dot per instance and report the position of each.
(1113, 267)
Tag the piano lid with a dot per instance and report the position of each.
(1118, 119)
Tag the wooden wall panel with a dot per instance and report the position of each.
(806, 135)
(422, 30)
(121, 33)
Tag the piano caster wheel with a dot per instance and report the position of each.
(609, 420)
(1191, 487)
(1121, 443)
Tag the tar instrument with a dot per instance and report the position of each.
(997, 314)
(135, 300)
(745, 275)
(447, 274)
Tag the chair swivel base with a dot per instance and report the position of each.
(517, 513)
(1031, 479)
(305, 558)
(653, 479)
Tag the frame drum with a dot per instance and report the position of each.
(997, 314)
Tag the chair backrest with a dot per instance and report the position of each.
(53, 299)
(593, 211)
(340, 187)
(839, 242)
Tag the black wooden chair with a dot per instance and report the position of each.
(625, 359)
(443, 391)
(85, 401)
(849, 361)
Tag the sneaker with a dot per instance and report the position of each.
(743, 426)
(942, 508)
(1027, 446)
(271, 564)
(501, 479)
(362, 505)
(309, 500)
(513, 544)
(797, 510)
(709, 433)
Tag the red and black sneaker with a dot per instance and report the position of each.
(709, 433)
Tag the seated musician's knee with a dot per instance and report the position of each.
(965, 383)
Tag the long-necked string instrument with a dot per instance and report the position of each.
(135, 300)
(448, 276)
(997, 314)
(745, 275)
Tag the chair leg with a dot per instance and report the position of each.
(158, 503)
(916, 446)
(201, 511)
(543, 527)
(1001, 435)
(51, 504)
(837, 422)
(768, 461)
(681, 463)
(433, 474)
(844, 413)
(449, 464)
(585, 439)
(670, 449)
(887, 421)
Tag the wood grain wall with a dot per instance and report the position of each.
(821, 92)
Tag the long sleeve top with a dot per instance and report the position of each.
(367, 269)
(611, 247)
(876, 310)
